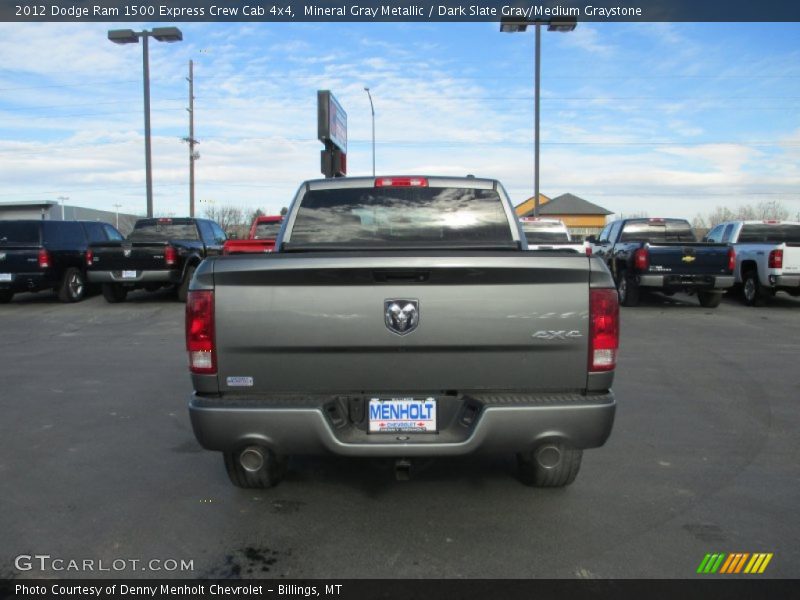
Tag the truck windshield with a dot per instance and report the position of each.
(657, 231)
(267, 231)
(19, 232)
(160, 231)
(391, 216)
(770, 233)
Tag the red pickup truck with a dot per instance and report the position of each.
(263, 233)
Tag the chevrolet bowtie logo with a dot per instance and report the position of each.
(688, 259)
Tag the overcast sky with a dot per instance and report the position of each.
(668, 119)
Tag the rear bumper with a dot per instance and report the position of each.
(707, 282)
(26, 282)
(165, 276)
(499, 423)
(785, 281)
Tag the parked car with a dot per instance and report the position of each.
(38, 255)
(402, 317)
(664, 255)
(263, 233)
(551, 235)
(767, 257)
(158, 253)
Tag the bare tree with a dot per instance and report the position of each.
(228, 217)
(771, 209)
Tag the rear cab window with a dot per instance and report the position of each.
(267, 231)
(766, 232)
(394, 217)
(162, 230)
(657, 230)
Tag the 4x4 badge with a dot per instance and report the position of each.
(401, 315)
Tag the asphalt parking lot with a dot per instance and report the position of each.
(98, 461)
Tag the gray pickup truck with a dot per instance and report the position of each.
(402, 317)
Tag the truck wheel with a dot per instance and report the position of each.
(114, 293)
(709, 299)
(254, 467)
(627, 289)
(752, 291)
(553, 464)
(183, 288)
(6, 296)
(73, 286)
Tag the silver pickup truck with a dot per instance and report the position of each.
(401, 317)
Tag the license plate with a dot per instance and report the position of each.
(5, 276)
(395, 415)
(129, 274)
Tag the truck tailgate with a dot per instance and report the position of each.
(791, 258)
(135, 256)
(485, 322)
(700, 258)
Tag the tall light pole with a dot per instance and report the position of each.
(129, 36)
(372, 108)
(514, 25)
(193, 156)
(62, 199)
(117, 206)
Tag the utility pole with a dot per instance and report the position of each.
(193, 156)
(117, 206)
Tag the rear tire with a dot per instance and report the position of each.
(6, 296)
(752, 291)
(183, 288)
(627, 289)
(564, 472)
(114, 293)
(73, 286)
(709, 299)
(269, 475)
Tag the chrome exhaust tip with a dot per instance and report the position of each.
(252, 459)
(548, 456)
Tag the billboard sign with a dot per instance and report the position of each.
(331, 120)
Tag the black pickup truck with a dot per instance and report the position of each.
(38, 255)
(158, 253)
(664, 255)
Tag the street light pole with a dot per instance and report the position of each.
(148, 156)
(538, 70)
(128, 36)
(372, 108)
(513, 25)
(63, 199)
(117, 206)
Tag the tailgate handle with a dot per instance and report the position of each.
(404, 276)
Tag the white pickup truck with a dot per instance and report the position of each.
(767, 256)
(551, 235)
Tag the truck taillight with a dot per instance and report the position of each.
(170, 255)
(731, 259)
(775, 259)
(44, 259)
(200, 332)
(641, 259)
(603, 329)
(401, 182)
(89, 257)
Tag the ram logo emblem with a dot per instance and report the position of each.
(401, 315)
